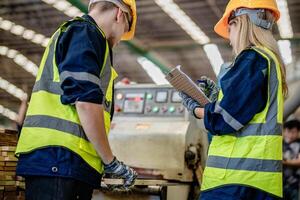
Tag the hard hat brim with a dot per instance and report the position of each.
(130, 34)
(221, 28)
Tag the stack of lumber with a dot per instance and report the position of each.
(10, 184)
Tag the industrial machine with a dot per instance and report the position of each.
(153, 133)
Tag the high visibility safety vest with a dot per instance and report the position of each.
(50, 123)
(251, 156)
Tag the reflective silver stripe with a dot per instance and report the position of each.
(260, 130)
(273, 88)
(105, 78)
(249, 164)
(49, 86)
(47, 74)
(42, 121)
(81, 76)
(227, 117)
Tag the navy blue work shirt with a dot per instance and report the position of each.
(245, 89)
(80, 49)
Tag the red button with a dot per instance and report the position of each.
(118, 109)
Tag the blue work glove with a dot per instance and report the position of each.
(209, 88)
(189, 103)
(117, 169)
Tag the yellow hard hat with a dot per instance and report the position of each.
(129, 35)
(221, 28)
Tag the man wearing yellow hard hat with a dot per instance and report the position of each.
(245, 155)
(63, 149)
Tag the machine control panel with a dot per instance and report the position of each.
(148, 101)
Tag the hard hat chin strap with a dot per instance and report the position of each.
(254, 16)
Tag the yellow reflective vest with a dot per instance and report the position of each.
(50, 123)
(252, 156)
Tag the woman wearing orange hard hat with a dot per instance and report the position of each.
(245, 156)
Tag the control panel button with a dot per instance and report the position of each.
(149, 96)
(118, 108)
(171, 109)
(148, 109)
(155, 109)
(164, 109)
(119, 96)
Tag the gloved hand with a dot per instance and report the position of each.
(209, 87)
(189, 103)
(117, 169)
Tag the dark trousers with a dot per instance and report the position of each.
(56, 188)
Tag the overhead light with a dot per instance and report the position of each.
(153, 71)
(38, 39)
(73, 11)
(23, 32)
(65, 7)
(12, 89)
(194, 31)
(45, 41)
(3, 50)
(62, 5)
(214, 56)
(28, 34)
(19, 59)
(8, 113)
(17, 30)
(284, 23)
(50, 1)
(6, 24)
(11, 53)
(285, 51)
(183, 20)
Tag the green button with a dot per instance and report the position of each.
(155, 109)
(171, 109)
(149, 96)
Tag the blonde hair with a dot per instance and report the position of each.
(252, 35)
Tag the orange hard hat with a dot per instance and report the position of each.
(221, 28)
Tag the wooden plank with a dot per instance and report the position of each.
(8, 131)
(9, 168)
(10, 188)
(7, 178)
(8, 148)
(8, 158)
(7, 153)
(10, 164)
(6, 173)
(5, 183)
